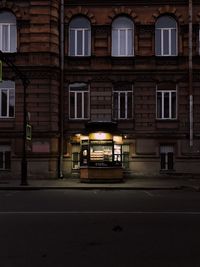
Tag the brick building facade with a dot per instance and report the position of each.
(111, 84)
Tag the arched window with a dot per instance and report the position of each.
(122, 37)
(79, 37)
(8, 32)
(166, 36)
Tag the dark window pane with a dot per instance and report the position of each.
(72, 43)
(79, 105)
(130, 106)
(86, 52)
(7, 160)
(122, 22)
(122, 42)
(166, 42)
(72, 105)
(11, 103)
(166, 22)
(173, 40)
(80, 22)
(122, 105)
(115, 43)
(162, 161)
(13, 41)
(5, 34)
(158, 43)
(173, 105)
(170, 161)
(130, 43)
(115, 106)
(159, 105)
(4, 100)
(80, 43)
(166, 105)
(86, 105)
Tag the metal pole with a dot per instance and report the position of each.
(24, 154)
(190, 75)
(61, 139)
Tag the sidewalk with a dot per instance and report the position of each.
(138, 183)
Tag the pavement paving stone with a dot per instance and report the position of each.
(172, 182)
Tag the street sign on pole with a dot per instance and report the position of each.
(28, 132)
(1, 71)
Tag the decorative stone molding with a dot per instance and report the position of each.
(123, 11)
(168, 10)
(80, 11)
(12, 7)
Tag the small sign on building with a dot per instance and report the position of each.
(28, 132)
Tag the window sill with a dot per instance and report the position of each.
(164, 56)
(78, 119)
(132, 56)
(166, 120)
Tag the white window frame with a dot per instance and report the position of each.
(4, 149)
(83, 34)
(1, 37)
(163, 92)
(8, 90)
(76, 92)
(169, 30)
(8, 20)
(168, 26)
(9, 37)
(119, 31)
(119, 93)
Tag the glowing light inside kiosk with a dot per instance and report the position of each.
(100, 136)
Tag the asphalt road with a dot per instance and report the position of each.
(57, 228)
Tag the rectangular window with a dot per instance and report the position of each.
(166, 42)
(79, 95)
(122, 103)
(5, 157)
(7, 37)
(166, 104)
(167, 157)
(122, 42)
(79, 42)
(7, 99)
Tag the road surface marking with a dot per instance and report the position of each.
(149, 193)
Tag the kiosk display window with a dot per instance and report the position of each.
(101, 151)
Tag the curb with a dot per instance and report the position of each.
(29, 188)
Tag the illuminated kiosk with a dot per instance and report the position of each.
(101, 154)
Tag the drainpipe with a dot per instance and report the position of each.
(190, 75)
(61, 115)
